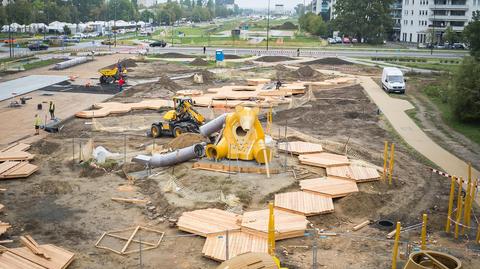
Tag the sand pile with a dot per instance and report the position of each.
(128, 63)
(164, 88)
(173, 55)
(302, 73)
(186, 140)
(199, 62)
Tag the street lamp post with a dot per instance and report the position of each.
(115, 23)
(268, 23)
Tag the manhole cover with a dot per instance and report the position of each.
(385, 224)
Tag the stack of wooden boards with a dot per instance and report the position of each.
(249, 232)
(246, 233)
(15, 161)
(35, 256)
(105, 109)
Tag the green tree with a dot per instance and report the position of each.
(3, 16)
(464, 96)
(211, 7)
(450, 35)
(19, 11)
(146, 15)
(67, 30)
(367, 19)
(313, 24)
(471, 35)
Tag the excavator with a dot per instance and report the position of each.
(182, 119)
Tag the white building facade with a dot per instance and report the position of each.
(421, 18)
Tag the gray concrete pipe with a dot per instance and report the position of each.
(213, 126)
(172, 158)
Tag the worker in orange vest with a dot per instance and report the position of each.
(121, 81)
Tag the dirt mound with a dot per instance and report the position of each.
(128, 63)
(199, 62)
(286, 26)
(232, 57)
(208, 76)
(185, 140)
(360, 204)
(273, 59)
(173, 55)
(164, 88)
(302, 73)
(44, 147)
(329, 61)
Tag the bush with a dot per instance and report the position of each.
(437, 91)
(464, 96)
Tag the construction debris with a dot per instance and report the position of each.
(133, 242)
(252, 260)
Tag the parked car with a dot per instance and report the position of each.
(346, 40)
(458, 46)
(108, 42)
(338, 39)
(11, 40)
(160, 43)
(37, 47)
(354, 40)
(331, 41)
(393, 80)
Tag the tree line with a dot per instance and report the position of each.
(75, 11)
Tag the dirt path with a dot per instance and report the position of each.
(394, 109)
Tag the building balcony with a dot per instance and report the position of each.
(448, 7)
(447, 18)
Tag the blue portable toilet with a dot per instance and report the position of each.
(219, 56)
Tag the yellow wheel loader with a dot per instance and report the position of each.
(182, 119)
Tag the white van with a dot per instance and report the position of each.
(392, 80)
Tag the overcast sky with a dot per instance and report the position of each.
(258, 4)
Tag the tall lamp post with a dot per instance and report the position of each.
(115, 23)
(268, 23)
(433, 32)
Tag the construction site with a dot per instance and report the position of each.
(251, 162)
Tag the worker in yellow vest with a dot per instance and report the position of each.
(37, 123)
(51, 109)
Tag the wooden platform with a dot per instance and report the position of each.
(330, 186)
(238, 243)
(324, 159)
(233, 168)
(250, 261)
(208, 221)
(24, 258)
(14, 169)
(304, 203)
(299, 147)
(105, 109)
(354, 172)
(287, 225)
(16, 152)
(4, 227)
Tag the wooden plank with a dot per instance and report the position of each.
(238, 243)
(60, 258)
(4, 227)
(358, 173)
(17, 169)
(287, 225)
(9, 260)
(324, 159)
(28, 241)
(333, 187)
(16, 156)
(233, 168)
(208, 221)
(250, 261)
(131, 200)
(130, 239)
(361, 225)
(304, 203)
(16, 147)
(300, 147)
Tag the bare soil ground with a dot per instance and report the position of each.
(69, 204)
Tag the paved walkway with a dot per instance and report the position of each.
(394, 110)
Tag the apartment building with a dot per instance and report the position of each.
(422, 18)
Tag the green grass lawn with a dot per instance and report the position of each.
(430, 66)
(41, 63)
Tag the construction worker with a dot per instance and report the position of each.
(121, 81)
(278, 84)
(298, 52)
(51, 109)
(124, 73)
(37, 124)
(204, 49)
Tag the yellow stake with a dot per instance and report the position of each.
(450, 204)
(385, 157)
(478, 234)
(459, 195)
(468, 200)
(395, 246)
(392, 160)
(459, 215)
(424, 232)
(271, 231)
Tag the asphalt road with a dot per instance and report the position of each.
(330, 52)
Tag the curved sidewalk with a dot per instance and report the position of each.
(394, 110)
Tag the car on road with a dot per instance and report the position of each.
(160, 43)
(10, 40)
(338, 40)
(37, 47)
(458, 46)
(346, 40)
(354, 40)
(108, 42)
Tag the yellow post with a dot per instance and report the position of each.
(450, 204)
(385, 157)
(395, 246)
(424, 232)
(478, 234)
(468, 200)
(459, 194)
(392, 161)
(271, 230)
(459, 215)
